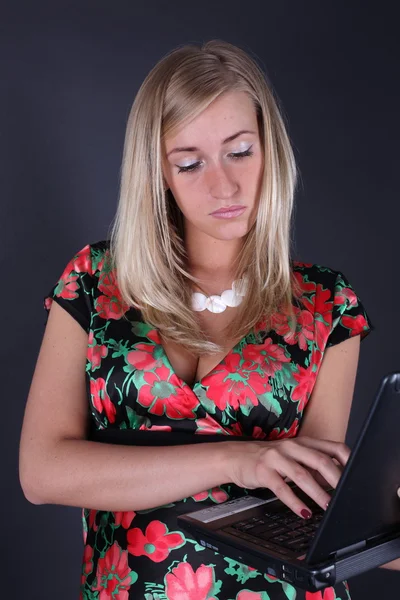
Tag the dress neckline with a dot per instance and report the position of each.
(198, 382)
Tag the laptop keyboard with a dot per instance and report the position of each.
(283, 529)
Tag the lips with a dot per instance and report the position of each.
(229, 210)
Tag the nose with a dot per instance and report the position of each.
(221, 183)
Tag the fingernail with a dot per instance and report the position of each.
(327, 504)
(306, 514)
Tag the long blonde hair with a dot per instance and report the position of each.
(146, 238)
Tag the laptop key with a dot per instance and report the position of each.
(265, 527)
(279, 538)
(294, 543)
(248, 526)
(280, 530)
(296, 523)
(305, 530)
(294, 534)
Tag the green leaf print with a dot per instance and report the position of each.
(216, 588)
(135, 420)
(134, 577)
(138, 378)
(247, 407)
(120, 347)
(89, 595)
(289, 590)
(207, 404)
(97, 256)
(141, 329)
(270, 403)
(241, 571)
(197, 546)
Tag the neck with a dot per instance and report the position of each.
(207, 256)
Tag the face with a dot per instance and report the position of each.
(213, 167)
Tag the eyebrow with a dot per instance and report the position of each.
(194, 149)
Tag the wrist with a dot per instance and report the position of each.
(235, 458)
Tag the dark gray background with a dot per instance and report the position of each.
(69, 73)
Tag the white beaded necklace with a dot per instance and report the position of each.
(217, 304)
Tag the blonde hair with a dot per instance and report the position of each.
(146, 241)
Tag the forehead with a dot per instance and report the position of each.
(227, 114)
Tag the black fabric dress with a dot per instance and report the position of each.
(259, 390)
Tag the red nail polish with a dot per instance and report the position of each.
(306, 514)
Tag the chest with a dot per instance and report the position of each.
(191, 368)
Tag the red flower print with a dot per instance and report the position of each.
(95, 351)
(114, 577)
(101, 399)
(92, 520)
(156, 427)
(67, 284)
(156, 543)
(98, 266)
(160, 395)
(82, 261)
(185, 584)
(230, 384)
(305, 328)
(110, 305)
(306, 286)
(355, 324)
(258, 433)
(302, 264)
(142, 357)
(216, 494)
(236, 429)
(248, 595)
(321, 307)
(124, 518)
(277, 434)
(154, 336)
(208, 425)
(326, 594)
(346, 295)
(87, 563)
(301, 392)
(268, 355)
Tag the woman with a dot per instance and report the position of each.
(192, 317)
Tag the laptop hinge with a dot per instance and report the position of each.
(350, 549)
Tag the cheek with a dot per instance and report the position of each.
(189, 196)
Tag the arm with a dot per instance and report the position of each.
(327, 413)
(59, 466)
(328, 410)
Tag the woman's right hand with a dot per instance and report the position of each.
(266, 464)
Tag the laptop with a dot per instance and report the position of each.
(359, 530)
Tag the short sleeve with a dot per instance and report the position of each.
(74, 289)
(349, 317)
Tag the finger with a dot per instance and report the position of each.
(316, 460)
(275, 460)
(285, 493)
(305, 481)
(336, 450)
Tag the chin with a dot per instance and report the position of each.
(231, 231)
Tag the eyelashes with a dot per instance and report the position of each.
(233, 155)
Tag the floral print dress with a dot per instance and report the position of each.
(260, 389)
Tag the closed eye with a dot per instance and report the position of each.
(233, 155)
